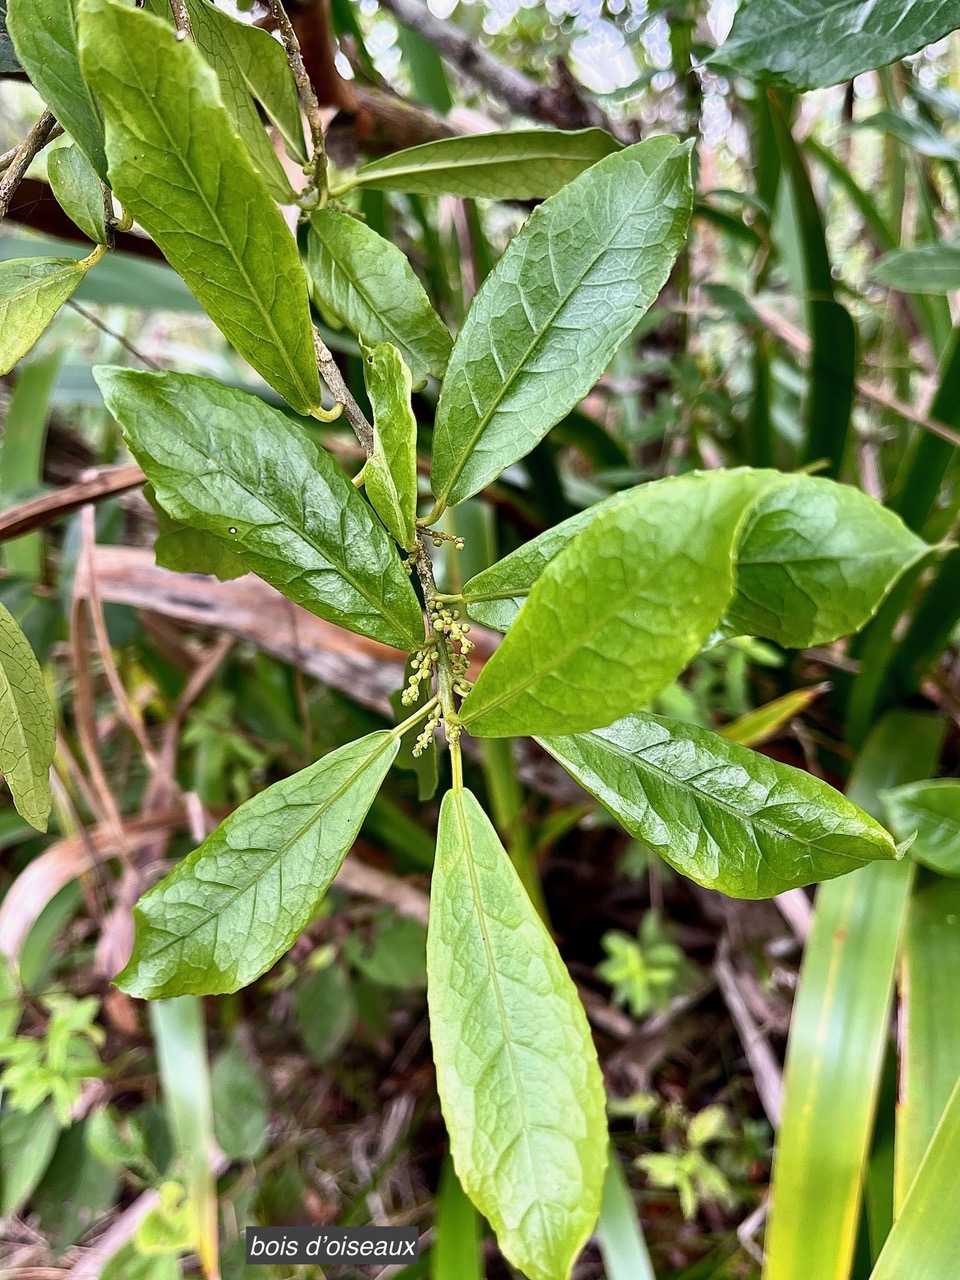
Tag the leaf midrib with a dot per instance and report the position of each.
(467, 447)
(498, 997)
(34, 286)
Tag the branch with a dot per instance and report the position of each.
(306, 94)
(565, 110)
(42, 132)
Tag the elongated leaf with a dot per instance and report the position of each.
(32, 291)
(547, 320)
(619, 1231)
(617, 614)
(229, 465)
(390, 474)
(930, 1034)
(366, 283)
(815, 561)
(926, 268)
(723, 815)
(765, 722)
(26, 725)
(45, 37)
(807, 44)
(843, 1000)
(456, 1237)
(517, 1072)
(925, 1240)
(240, 1108)
(177, 164)
(930, 811)
(77, 187)
(231, 908)
(521, 164)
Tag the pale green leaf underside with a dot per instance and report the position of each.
(727, 817)
(32, 291)
(222, 460)
(45, 37)
(366, 283)
(390, 474)
(808, 44)
(78, 190)
(178, 165)
(924, 268)
(931, 812)
(517, 1072)
(618, 612)
(815, 561)
(231, 908)
(26, 725)
(547, 320)
(521, 164)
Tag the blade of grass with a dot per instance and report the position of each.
(21, 469)
(925, 1241)
(930, 1033)
(184, 1069)
(839, 1030)
(455, 1254)
(619, 1231)
(932, 456)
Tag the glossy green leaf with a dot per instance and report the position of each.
(807, 44)
(930, 1022)
(177, 164)
(366, 283)
(815, 561)
(926, 268)
(32, 291)
(929, 810)
(517, 1072)
(390, 474)
(924, 1243)
(233, 467)
(257, 68)
(231, 908)
(45, 37)
(727, 817)
(567, 291)
(519, 164)
(78, 190)
(618, 613)
(843, 1000)
(26, 725)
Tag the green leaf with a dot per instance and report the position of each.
(231, 908)
(930, 1026)
(455, 1254)
(78, 190)
(177, 164)
(620, 1231)
(26, 725)
(926, 268)
(45, 37)
(727, 817)
(815, 561)
(929, 810)
(27, 1143)
(239, 1104)
(517, 1072)
(32, 291)
(231, 466)
(617, 614)
(808, 44)
(568, 290)
(367, 284)
(521, 164)
(390, 474)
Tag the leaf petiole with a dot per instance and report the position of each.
(421, 713)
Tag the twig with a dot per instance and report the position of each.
(23, 157)
(517, 91)
(307, 96)
(763, 1063)
(117, 337)
(342, 395)
(181, 17)
(104, 482)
